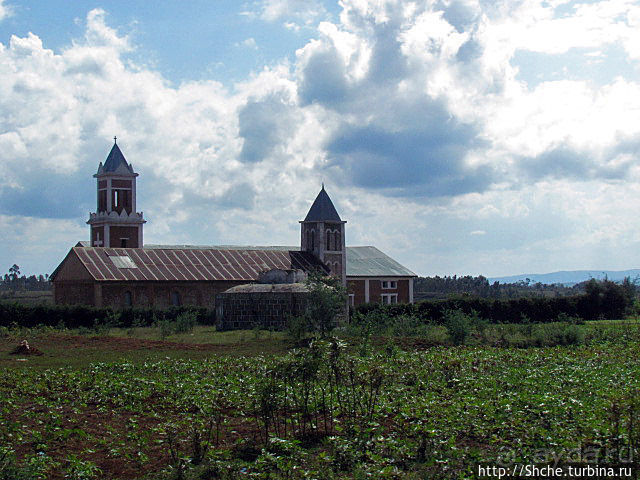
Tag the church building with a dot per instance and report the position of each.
(116, 269)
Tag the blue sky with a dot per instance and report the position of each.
(458, 136)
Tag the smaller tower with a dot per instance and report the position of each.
(322, 233)
(116, 224)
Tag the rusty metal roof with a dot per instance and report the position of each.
(109, 264)
(365, 261)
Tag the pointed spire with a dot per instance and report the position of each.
(322, 209)
(115, 159)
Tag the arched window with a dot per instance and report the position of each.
(128, 299)
(313, 240)
(336, 240)
(329, 238)
(175, 299)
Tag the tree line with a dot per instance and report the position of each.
(14, 281)
(442, 287)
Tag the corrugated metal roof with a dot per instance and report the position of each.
(190, 264)
(371, 262)
(361, 261)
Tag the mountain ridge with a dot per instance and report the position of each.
(569, 277)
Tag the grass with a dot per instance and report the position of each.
(28, 297)
(69, 348)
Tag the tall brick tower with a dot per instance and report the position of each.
(322, 233)
(116, 223)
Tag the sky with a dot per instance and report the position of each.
(460, 137)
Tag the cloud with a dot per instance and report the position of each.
(425, 119)
(248, 43)
(373, 158)
(389, 123)
(305, 10)
(264, 125)
(5, 10)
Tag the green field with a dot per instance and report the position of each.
(206, 404)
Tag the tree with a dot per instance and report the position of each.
(14, 272)
(327, 303)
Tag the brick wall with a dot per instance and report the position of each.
(357, 287)
(73, 293)
(116, 233)
(161, 294)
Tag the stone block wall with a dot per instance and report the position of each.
(268, 310)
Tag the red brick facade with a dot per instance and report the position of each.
(139, 294)
(401, 293)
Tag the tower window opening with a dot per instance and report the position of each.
(128, 301)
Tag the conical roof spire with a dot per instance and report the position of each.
(115, 159)
(322, 209)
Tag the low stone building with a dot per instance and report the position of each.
(266, 305)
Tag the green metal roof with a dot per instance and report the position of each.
(361, 261)
(371, 262)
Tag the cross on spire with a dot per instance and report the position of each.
(115, 139)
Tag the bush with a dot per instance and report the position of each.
(458, 325)
(604, 299)
(76, 316)
(185, 322)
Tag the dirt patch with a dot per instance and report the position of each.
(121, 344)
(25, 349)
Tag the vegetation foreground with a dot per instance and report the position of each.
(332, 409)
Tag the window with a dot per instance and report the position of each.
(175, 299)
(313, 240)
(389, 298)
(122, 261)
(336, 241)
(102, 200)
(389, 284)
(128, 299)
(329, 236)
(97, 242)
(123, 242)
(352, 299)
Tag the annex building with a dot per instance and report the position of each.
(116, 269)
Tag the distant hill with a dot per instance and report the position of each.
(570, 277)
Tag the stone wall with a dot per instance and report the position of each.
(268, 310)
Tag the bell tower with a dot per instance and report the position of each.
(116, 224)
(322, 233)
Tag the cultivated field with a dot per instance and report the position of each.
(124, 405)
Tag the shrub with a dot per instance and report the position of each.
(185, 322)
(458, 325)
(326, 304)
(297, 328)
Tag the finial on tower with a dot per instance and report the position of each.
(115, 140)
